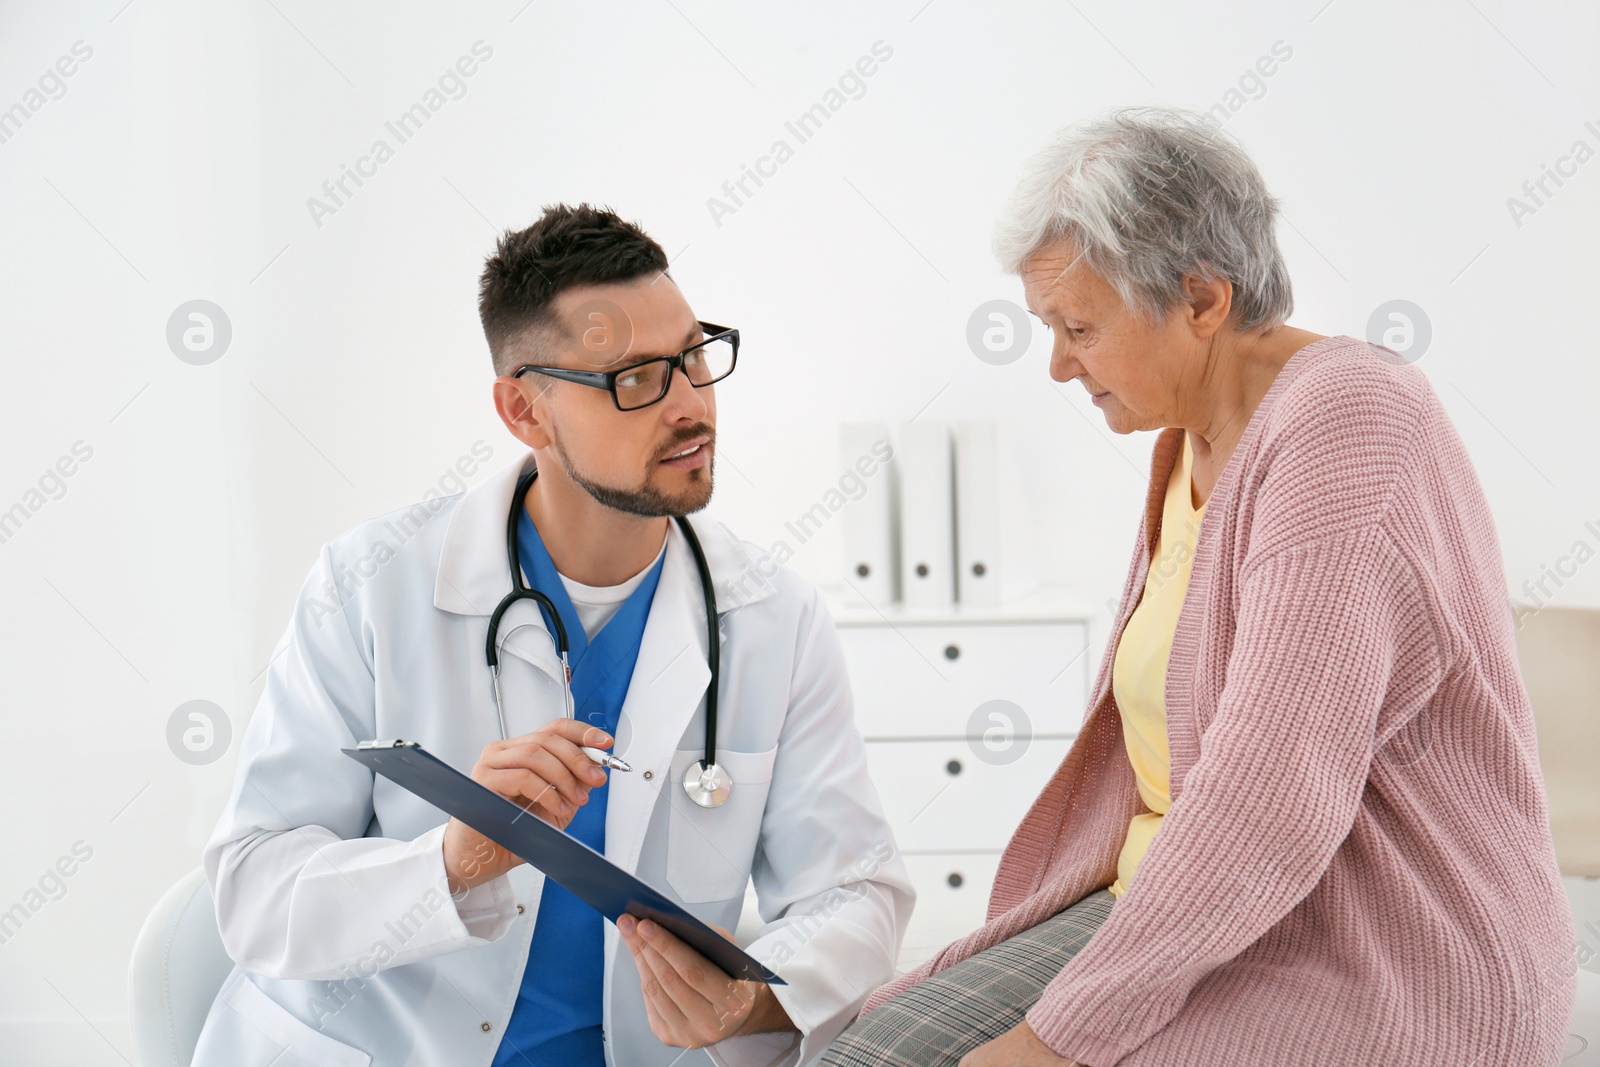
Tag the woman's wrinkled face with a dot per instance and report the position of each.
(1135, 372)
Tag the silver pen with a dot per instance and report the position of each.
(606, 759)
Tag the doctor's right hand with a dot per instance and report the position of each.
(546, 772)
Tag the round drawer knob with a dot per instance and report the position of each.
(952, 651)
(979, 569)
(954, 879)
(953, 768)
(862, 570)
(922, 570)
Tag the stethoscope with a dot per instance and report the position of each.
(707, 784)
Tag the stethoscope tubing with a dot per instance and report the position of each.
(520, 590)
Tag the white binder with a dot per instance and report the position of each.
(927, 516)
(977, 491)
(867, 525)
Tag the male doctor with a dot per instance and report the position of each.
(369, 929)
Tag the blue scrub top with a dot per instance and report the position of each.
(557, 1018)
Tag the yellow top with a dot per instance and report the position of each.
(1139, 672)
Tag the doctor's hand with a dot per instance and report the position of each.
(1017, 1047)
(691, 1001)
(545, 772)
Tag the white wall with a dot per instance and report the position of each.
(178, 162)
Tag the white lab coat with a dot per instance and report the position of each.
(330, 886)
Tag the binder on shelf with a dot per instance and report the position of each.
(868, 525)
(977, 493)
(927, 517)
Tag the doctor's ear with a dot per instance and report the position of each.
(523, 406)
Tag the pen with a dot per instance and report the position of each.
(606, 759)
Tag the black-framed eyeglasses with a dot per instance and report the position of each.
(638, 385)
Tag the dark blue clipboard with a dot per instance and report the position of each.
(582, 871)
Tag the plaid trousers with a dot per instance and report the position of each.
(942, 1018)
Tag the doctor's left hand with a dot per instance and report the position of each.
(690, 1000)
(1017, 1047)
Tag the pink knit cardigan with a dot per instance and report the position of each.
(1357, 866)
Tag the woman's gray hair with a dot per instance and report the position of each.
(1146, 196)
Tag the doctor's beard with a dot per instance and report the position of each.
(647, 500)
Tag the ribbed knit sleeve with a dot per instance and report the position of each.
(1336, 647)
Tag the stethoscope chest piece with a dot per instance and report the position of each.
(707, 785)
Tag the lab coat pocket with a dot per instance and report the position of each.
(709, 849)
(292, 1042)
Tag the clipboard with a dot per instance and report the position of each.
(573, 865)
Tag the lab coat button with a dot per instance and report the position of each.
(649, 775)
(519, 909)
(485, 1027)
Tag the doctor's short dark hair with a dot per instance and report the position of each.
(566, 247)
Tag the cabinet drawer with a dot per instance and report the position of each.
(952, 896)
(922, 680)
(942, 796)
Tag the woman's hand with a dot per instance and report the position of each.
(1017, 1047)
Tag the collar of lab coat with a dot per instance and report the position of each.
(474, 576)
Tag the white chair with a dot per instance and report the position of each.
(178, 965)
(1558, 650)
(1583, 1032)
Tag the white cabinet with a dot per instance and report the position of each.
(952, 898)
(966, 715)
(928, 679)
(956, 795)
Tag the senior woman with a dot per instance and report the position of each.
(1303, 822)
